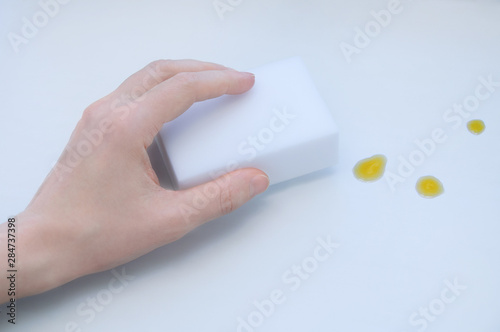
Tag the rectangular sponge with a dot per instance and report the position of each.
(280, 126)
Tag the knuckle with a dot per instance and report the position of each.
(161, 66)
(157, 63)
(184, 79)
(93, 111)
(161, 63)
(99, 123)
(226, 203)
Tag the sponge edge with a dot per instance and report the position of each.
(281, 126)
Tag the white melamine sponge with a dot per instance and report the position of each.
(281, 126)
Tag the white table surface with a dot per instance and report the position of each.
(397, 251)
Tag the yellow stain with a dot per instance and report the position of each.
(370, 169)
(429, 187)
(476, 126)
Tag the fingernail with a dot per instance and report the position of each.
(252, 74)
(258, 185)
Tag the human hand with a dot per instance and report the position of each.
(102, 205)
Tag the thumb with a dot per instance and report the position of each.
(221, 196)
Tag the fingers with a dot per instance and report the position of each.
(172, 97)
(216, 198)
(158, 71)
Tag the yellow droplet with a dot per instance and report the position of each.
(476, 126)
(370, 169)
(429, 187)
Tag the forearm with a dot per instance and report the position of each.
(27, 262)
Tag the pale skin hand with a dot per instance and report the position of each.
(109, 208)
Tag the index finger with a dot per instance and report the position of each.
(158, 71)
(171, 98)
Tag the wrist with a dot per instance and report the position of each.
(38, 263)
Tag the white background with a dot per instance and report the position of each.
(396, 249)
